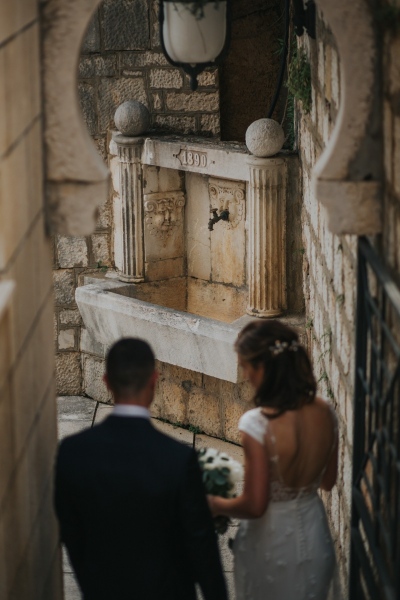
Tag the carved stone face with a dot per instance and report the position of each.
(163, 212)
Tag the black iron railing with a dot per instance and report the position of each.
(375, 526)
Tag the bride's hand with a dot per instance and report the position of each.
(212, 504)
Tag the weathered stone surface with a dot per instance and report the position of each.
(66, 339)
(97, 66)
(210, 124)
(93, 384)
(125, 25)
(181, 124)
(91, 42)
(159, 270)
(132, 118)
(170, 332)
(174, 401)
(114, 92)
(196, 101)
(64, 287)
(70, 317)
(165, 78)
(68, 373)
(132, 60)
(204, 412)
(207, 78)
(100, 248)
(87, 102)
(71, 251)
(265, 137)
(105, 218)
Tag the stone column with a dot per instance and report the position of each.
(267, 237)
(129, 253)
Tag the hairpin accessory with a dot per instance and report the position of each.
(279, 347)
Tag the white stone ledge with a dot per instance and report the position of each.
(217, 159)
(179, 338)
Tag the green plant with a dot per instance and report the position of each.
(299, 78)
(102, 267)
(309, 324)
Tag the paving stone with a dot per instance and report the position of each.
(182, 435)
(125, 25)
(225, 551)
(75, 408)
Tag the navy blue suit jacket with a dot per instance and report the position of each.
(134, 516)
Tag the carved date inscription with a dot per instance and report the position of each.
(192, 158)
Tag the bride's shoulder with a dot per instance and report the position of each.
(254, 423)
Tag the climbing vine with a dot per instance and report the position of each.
(299, 78)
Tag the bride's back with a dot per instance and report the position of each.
(300, 444)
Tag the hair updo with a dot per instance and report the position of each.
(288, 382)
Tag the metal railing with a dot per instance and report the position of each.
(375, 524)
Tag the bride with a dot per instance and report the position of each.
(283, 549)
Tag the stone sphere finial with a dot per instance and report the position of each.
(132, 118)
(265, 137)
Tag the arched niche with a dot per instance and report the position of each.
(76, 176)
(347, 175)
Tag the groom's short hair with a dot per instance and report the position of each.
(129, 364)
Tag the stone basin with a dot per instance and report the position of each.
(189, 323)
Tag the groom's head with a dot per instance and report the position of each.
(130, 371)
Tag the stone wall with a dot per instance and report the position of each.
(329, 281)
(29, 553)
(121, 59)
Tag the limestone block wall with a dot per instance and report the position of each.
(121, 59)
(29, 554)
(329, 280)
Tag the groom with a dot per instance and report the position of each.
(130, 500)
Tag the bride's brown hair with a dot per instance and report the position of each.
(288, 382)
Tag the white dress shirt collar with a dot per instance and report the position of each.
(130, 410)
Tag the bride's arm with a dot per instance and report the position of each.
(252, 503)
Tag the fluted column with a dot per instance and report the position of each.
(267, 237)
(130, 261)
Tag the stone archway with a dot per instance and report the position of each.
(76, 177)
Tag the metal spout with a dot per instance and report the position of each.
(222, 216)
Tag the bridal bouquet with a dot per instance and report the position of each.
(220, 475)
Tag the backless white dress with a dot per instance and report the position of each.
(288, 553)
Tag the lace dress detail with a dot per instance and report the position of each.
(288, 553)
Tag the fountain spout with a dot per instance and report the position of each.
(222, 216)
